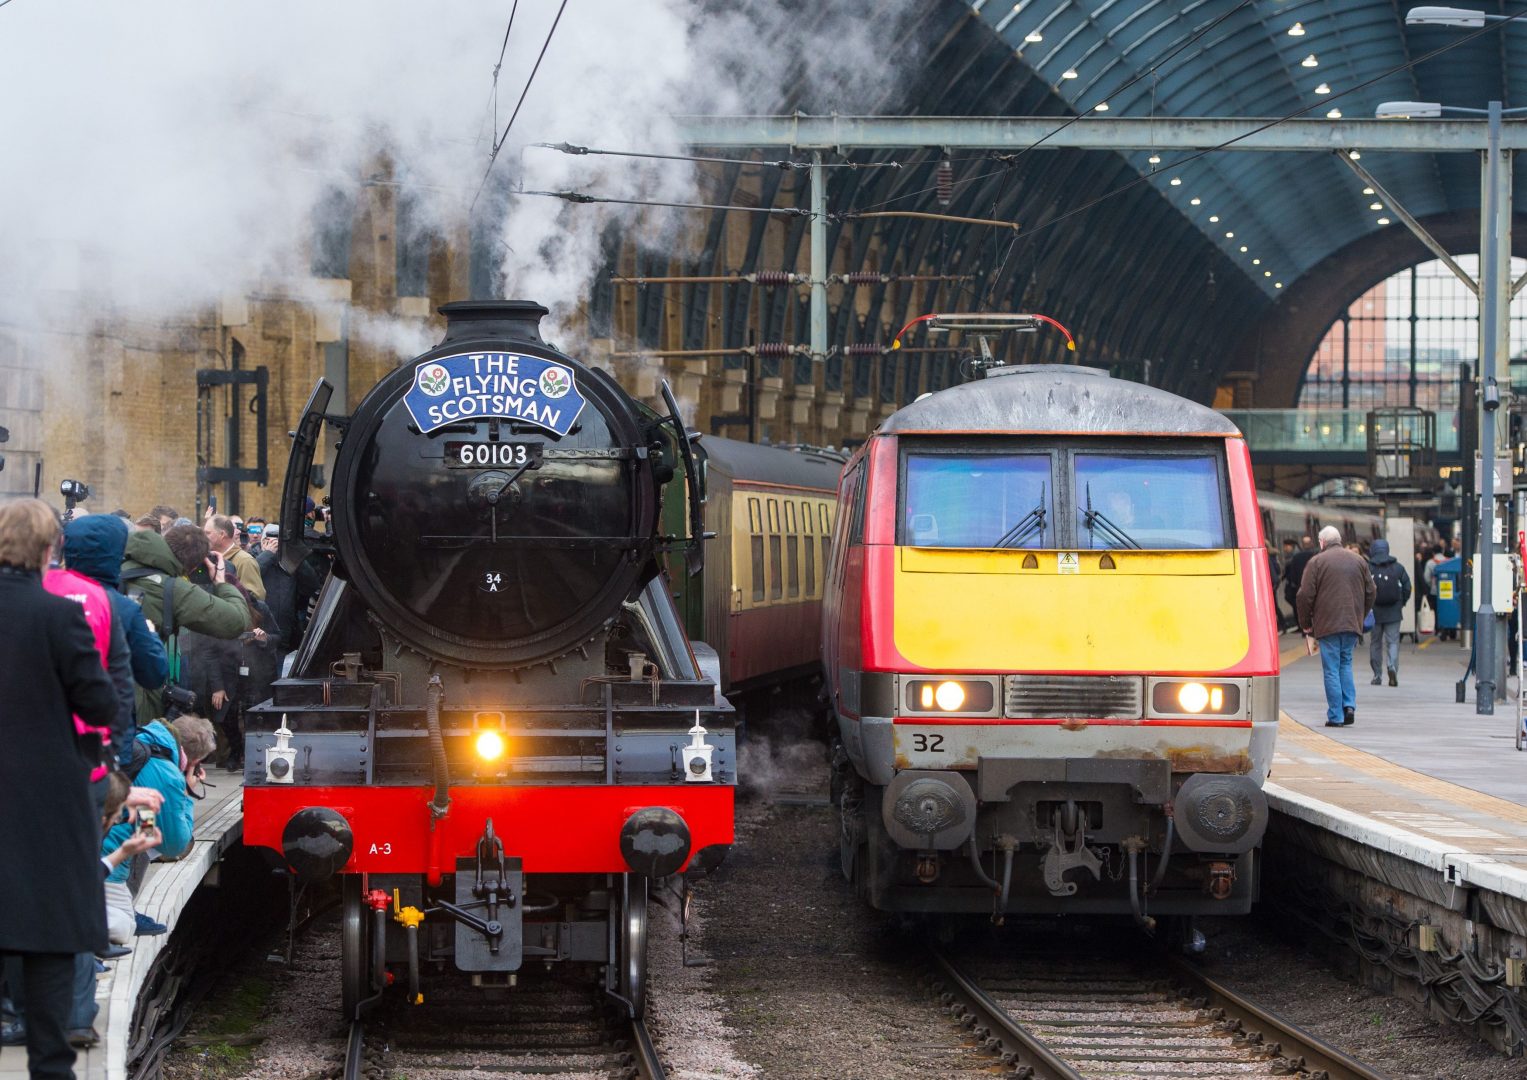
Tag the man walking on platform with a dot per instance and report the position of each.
(1391, 592)
(1335, 595)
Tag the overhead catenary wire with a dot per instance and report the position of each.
(582, 198)
(580, 151)
(502, 51)
(498, 143)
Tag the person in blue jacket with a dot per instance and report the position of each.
(168, 759)
(93, 546)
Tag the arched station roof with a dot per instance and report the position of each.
(1144, 276)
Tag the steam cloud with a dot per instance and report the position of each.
(162, 154)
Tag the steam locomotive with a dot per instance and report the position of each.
(495, 729)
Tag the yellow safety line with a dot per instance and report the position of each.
(1288, 656)
(1294, 732)
(1427, 644)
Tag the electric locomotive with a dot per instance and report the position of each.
(1050, 649)
(495, 729)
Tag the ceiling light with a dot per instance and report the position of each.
(1154, 159)
(1229, 236)
(1297, 30)
(1334, 114)
(1277, 284)
(1323, 88)
(1177, 181)
(1309, 61)
(1354, 155)
(1194, 201)
(1243, 249)
(1256, 262)
(1069, 73)
(1376, 206)
(1383, 221)
(1213, 217)
(1034, 38)
(1101, 106)
(1367, 191)
(1267, 273)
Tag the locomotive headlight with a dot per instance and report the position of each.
(949, 696)
(490, 745)
(1194, 696)
(961, 695)
(1189, 697)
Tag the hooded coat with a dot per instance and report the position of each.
(50, 874)
(1381, 564)
(176, 818)
(94, 546)
(148, 568)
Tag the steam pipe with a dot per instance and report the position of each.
(441, 804)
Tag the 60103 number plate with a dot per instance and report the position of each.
(492, 455)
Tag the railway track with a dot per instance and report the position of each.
(557, 1029)
(1069, 1017)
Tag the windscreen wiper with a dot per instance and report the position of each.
(1027, 525)
(1097, 521)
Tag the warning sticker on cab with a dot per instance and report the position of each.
(1444, 590)
(1068, 562)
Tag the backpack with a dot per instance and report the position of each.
(91, 597)
(1386, 586)
(143, 753)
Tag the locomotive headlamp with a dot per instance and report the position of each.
(948, 696)
(490, 745)
(1194, 696)
(934, 696)
(1190, 697)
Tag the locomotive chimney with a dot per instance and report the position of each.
(516, 320)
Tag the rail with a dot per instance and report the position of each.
(1205, 1022)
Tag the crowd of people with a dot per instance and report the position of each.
(130, 649)
(1341, 591)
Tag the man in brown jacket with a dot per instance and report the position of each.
(1335, 596)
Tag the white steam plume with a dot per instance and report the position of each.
(161, 154)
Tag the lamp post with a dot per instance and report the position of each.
(1494, 288)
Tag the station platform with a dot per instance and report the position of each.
(166, 889)
(1420, 795)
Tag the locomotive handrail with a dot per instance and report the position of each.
(294, 546)
(694, 554)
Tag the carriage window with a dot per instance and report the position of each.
(794, 563)
(810, 544)
(979, 501)
(776, 577)
(822, 517)
(758, 570)
(1161, 502)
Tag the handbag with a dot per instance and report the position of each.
(1368, 621)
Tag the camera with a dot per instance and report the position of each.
(77, 490)
(178, 700)
(1491, 395)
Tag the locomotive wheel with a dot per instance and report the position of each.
(354, 986)
(628, 927)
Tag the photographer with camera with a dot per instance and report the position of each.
(166, 757)
(223, 538)
(154, 573)
(49, 875)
